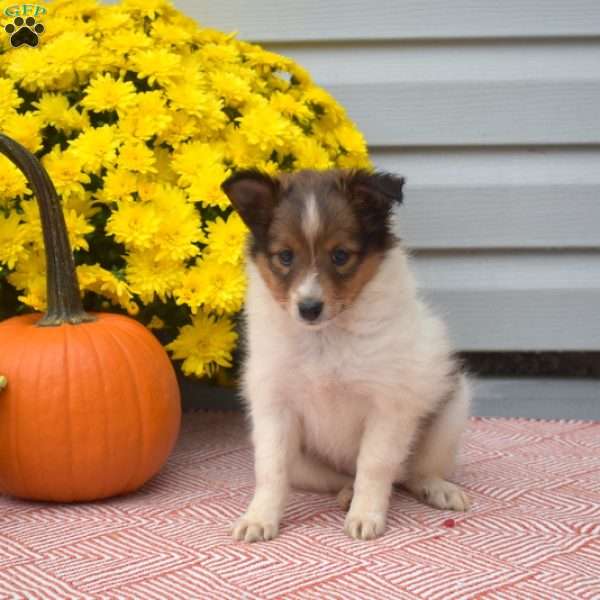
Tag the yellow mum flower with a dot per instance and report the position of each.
(31, 223)
(118, 184)
(6, 114)
(75, 120)
(186, 96)
(212, 36)
(74, 8)
(169, 33)
(259, 57)
(234, 90)
(180, 226)
(354, 161)
(290, 106)
(29, 68)
(83, 204)
(227, 239)
(145, 117)
(70, 52)
(193, 70)
(34, 294)
(12, 240)
(181, 128)
(166, 198)
(220, 54)
(62, 23)
(10, 99)
(12, 181)
(30, 277)
(124, 41)
(147, 8)
(93, 278)
(66, 171)
(182, 21)
(9, 95)
(96, 148)
(164, 168)
(254, 79)
(350, 139)
(216, 286)
(26, 130)
(177, 236)
(204, 345)
(265, 128)
(148, 188)
(78, 228)
(52, 108)
(211, 115)
(189, 157)
(268, 166)
(309, 154)
(110, 18)
(203, 105)
(205, 186)
(240, 152)
(135, 156)
(325, 101)
(134, 224)
(148, 277)
(64, 81)
(158, 65)
(106, 93)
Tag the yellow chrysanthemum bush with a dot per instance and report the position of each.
(139, 115)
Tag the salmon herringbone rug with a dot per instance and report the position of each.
(534, 531)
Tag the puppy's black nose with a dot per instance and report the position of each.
(310, 309)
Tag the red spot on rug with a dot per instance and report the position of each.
(449, 523)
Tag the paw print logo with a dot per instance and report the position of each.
(24, 31)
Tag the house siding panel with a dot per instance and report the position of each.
(491, 109)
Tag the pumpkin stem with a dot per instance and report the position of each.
(3, 382)
(64, 297)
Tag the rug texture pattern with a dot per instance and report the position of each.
(533, 532)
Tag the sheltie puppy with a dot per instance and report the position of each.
(349, 380)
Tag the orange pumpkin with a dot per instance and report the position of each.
(90, 407)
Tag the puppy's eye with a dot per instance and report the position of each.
(286, 257)
(339, 257)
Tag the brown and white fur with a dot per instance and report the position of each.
(361, 392)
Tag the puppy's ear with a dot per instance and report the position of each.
(373, 195)
(377, 188)
(254, 195)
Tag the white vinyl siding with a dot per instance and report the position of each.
(491, 109)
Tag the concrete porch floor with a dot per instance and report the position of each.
(536, 398)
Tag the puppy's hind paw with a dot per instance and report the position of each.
(249, 529)
(344, 497)
(440, 493)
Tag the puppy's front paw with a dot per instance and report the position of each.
(249, 528)
(364, 526)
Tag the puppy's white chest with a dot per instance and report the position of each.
(330, 407)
